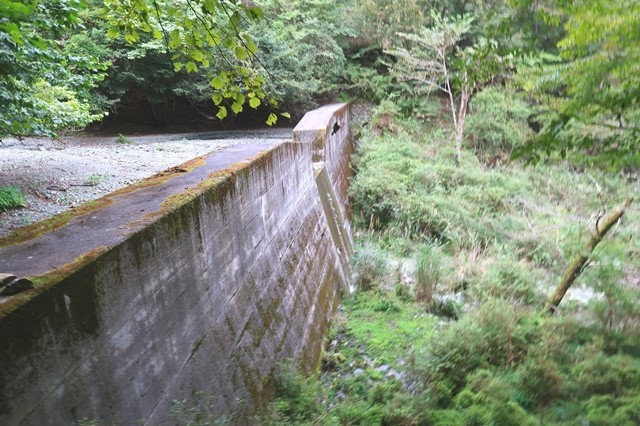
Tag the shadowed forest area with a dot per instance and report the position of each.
(497, 263)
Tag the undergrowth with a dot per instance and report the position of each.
(453, 266)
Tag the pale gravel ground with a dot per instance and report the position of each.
(57, 175)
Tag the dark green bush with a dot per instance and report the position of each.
(599, 374)
(497, 123)
(507, 278)
(298, 398)
(496, 335)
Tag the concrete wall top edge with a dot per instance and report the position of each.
(68, 241)
(318, 119)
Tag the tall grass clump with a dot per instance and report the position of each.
(429, 270)
(11, 198)
(370, 267)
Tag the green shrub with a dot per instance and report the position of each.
(386, 116)
(370, 267)
(384, 177)
(606, 410)
(495, 335)
(487, 400)
(298, 398)
(541, 382)
(11, 198)
(403, 293)
(599, 374)
(498, 123)
(509, 279)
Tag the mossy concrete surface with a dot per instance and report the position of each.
(194, 282)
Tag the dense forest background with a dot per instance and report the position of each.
(503, 138)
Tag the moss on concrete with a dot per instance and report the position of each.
(48, 280)
(38, 229)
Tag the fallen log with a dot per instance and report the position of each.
(576, 267)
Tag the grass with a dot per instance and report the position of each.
(11, 198)
(124, 140)
(95, 179)
(386, 326)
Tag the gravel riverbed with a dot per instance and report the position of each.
(56, 175)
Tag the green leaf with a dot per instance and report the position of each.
(255, 12)
(241, 53)
(196, 55)
(285, 115)
(229, 42)
(177, 66)
(174, 39)
(217, 83)
(222, 113)
(113, 33)
(191, 67)
(251, 47)
(272, 119)
(217, 98)
(254, 103)
(236, 107)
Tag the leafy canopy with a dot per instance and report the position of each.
(41, 85)
(591, 91)
(206, 36)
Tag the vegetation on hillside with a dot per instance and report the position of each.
(453, 267)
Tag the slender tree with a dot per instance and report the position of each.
(433, 61)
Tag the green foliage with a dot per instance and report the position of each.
(122, 139)
(395, 191)
(385, 326)
(199, 35)
(497, 124)
(370, 267)
(591, 95)
(507, 278)
(11, 198)
(95, 179)
(42, 85)
(429, 268)
(300, 45)
(298, 398)
(494, 336)
(379, 20)
(427, 58)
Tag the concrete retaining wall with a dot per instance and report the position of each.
(193, 283)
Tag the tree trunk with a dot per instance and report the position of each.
(578, 264)
(462, 115)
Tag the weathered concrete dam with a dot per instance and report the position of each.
(196, 281)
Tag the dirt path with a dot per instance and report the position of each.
(57, 175)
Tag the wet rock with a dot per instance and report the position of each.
(383, 368)
(6, 279)
(16, 286)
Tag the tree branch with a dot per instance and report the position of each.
(579, 263)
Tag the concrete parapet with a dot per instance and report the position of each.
(196, 281)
